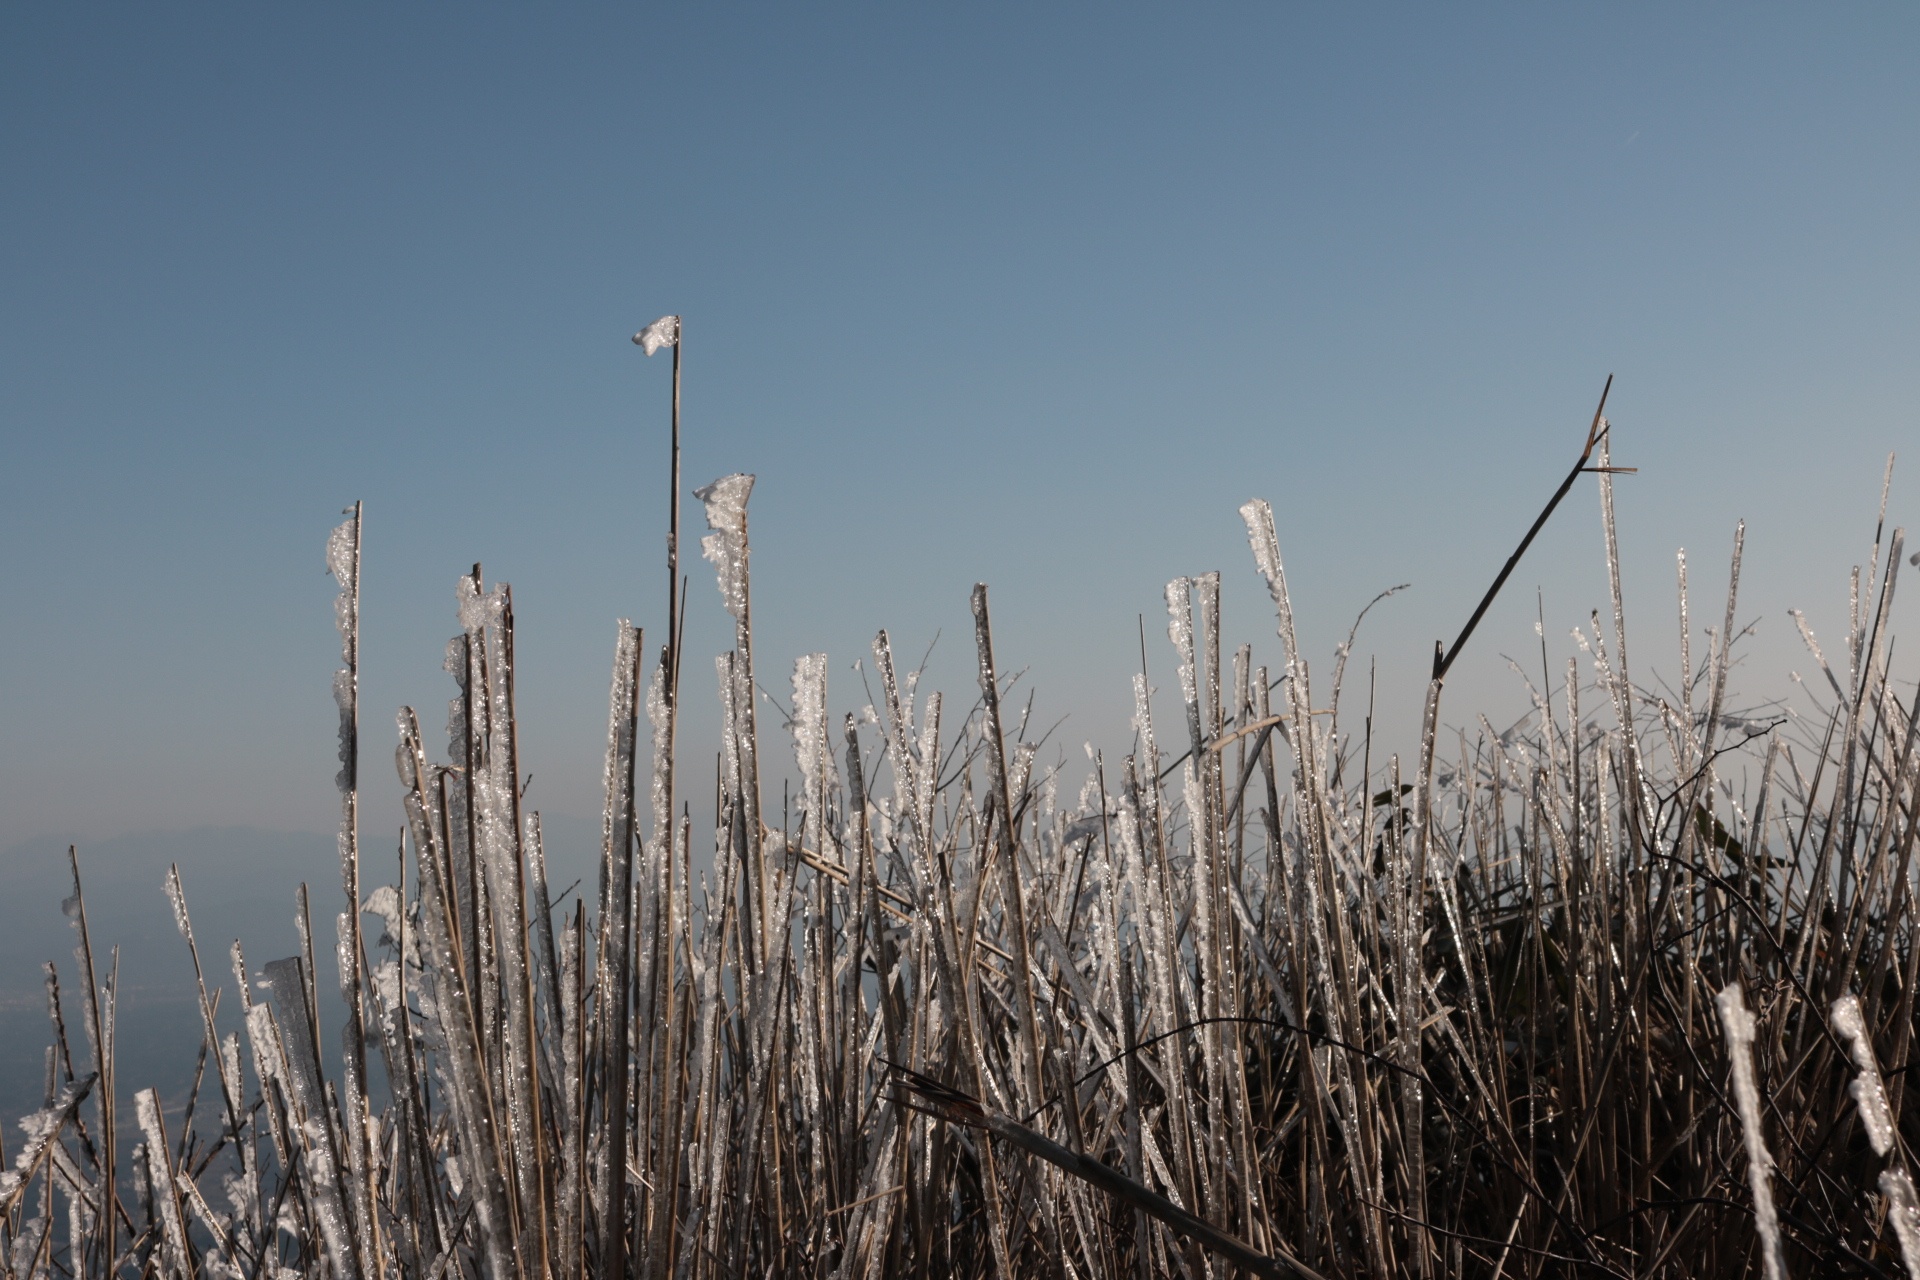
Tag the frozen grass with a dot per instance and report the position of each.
(1254, 1000)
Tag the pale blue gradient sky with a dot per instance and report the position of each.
(1035, 295)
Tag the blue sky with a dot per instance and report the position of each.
(1030, 295)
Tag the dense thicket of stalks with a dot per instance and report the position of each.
(1253, 997)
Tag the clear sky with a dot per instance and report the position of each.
(1034, 295)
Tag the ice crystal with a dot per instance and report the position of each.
(1869, 1095)
(726, 506)
(1737, 1023)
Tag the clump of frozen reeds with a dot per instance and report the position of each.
(1253, 1000)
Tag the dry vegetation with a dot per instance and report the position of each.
(1254, 1000)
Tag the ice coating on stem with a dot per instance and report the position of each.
(1149, 753)
(1869, 1094)
(1180, 631)
(1903, 1212)
(1266, 556)
(147, 1108)
(928, 749)
(1019, 767)
(343, 952)
(724, 676)
(477, 608)
(214, 1262)
(811, 749)
(660, 719)
(454, 663)
(1737, 1024)
(177, 899)
(343, 698)
(40, 1128)
(343, 562)
(726, 505)
(230, 1064)
(619, 729)
(1258, 516)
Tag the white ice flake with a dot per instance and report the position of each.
(385, 903)
(664, 332)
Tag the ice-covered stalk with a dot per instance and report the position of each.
(1869, 1094)
(616, 945)
(545, 952)
(1410, 979)
(1903, 1212)
(1198, 790)
(663, 711)
(393, 982)
(1737, 1025)
(167, 1193)
(231, 1084)
(725, 501)
(465, 720)
(813, 754)
(654, 961)
(98, 1024)
(43, 1129)
(343, 562)
(1870, 1099)
(322, 1164)
(1327, 949)
(1621, 686)
(471, 1097)
(1721, 661)
(498, 794)
(1008, 833)
(569, 1256)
